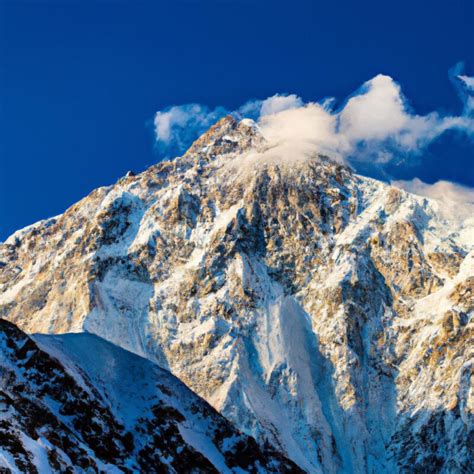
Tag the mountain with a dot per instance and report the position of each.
(77, 403)
(323, 312)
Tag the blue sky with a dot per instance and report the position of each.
(81, 81)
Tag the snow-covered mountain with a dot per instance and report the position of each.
(324, 312)
(77, 403)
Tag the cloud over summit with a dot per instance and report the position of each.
(374, 126)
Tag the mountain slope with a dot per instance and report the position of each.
(76, 403)
(325, 312)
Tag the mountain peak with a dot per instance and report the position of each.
(226, 136)
(313, 307)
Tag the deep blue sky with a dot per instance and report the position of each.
(80, 79)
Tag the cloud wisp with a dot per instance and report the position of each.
(464, 86)
(441, 190)
(178, 126)
(457, 200)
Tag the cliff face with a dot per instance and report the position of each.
(325, 312)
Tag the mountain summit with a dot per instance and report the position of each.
(323, 312)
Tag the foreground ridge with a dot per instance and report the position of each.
(320, 311)
(76, 402)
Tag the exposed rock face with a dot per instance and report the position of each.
(327, 313)
(76, 403)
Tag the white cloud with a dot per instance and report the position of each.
(279, 103)
(304, 130)
(380, 118)
(166, 121)
(468, 81)
(376, 112)
(379, 112)
(250, 109)
(468, 84)
(464, 86)
(456, 202)
(375, 125)
(441, 190)
(178, 126)
(256, 108)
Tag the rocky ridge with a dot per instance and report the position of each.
(76, 403)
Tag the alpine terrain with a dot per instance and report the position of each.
(324, 314)
(77, 403)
